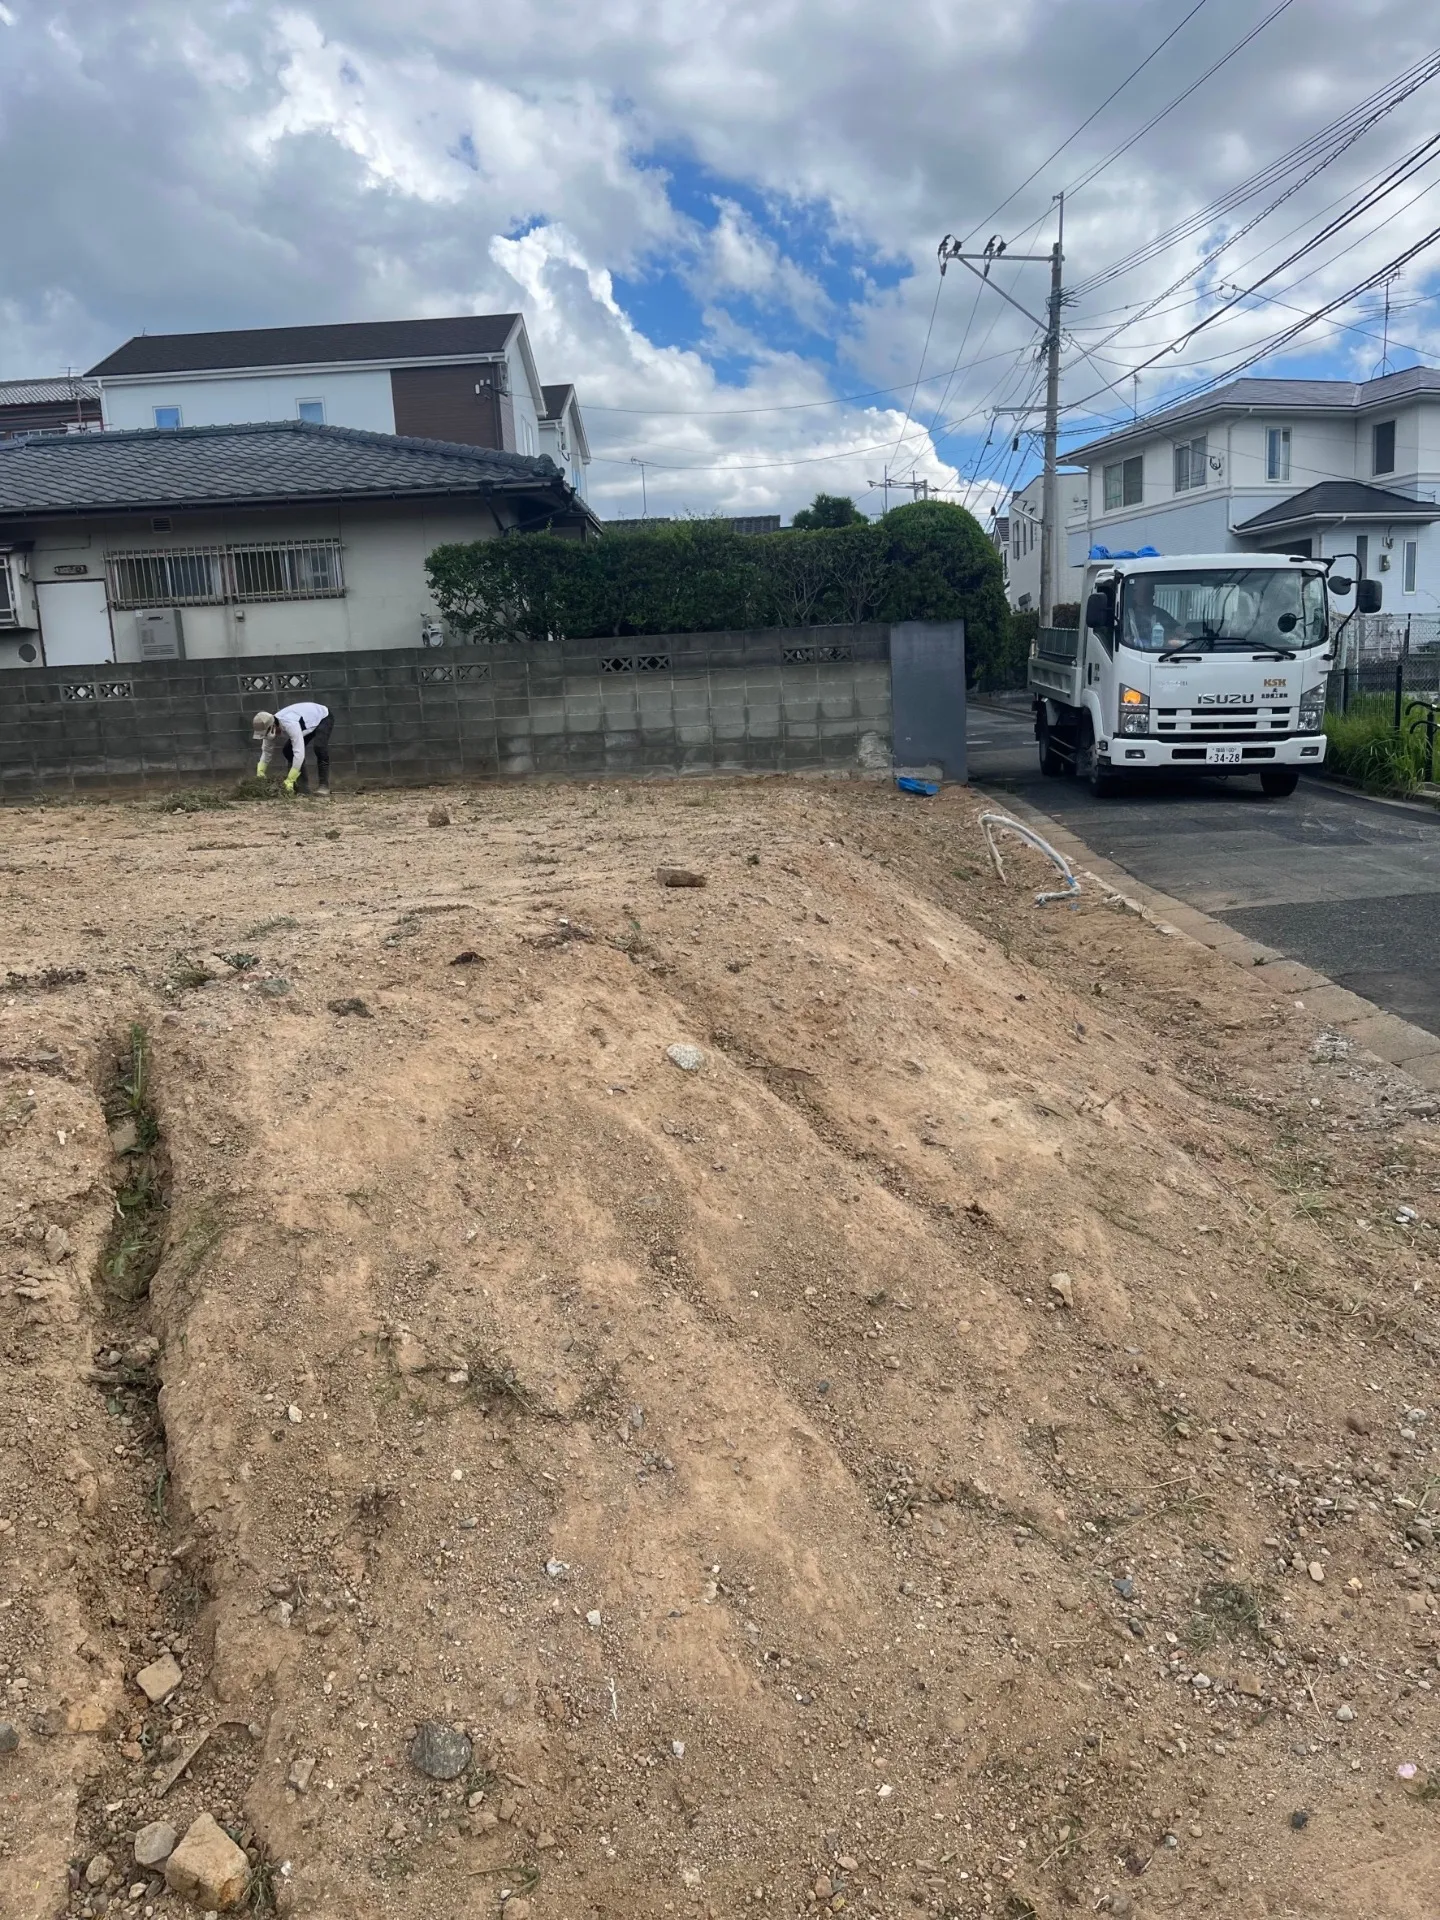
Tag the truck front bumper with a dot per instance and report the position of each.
(1202, 754)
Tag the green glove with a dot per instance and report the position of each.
(260, 770)
(291, 778)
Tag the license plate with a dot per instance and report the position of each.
(1222, 756)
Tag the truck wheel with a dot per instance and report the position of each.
(1277, 782)
(1053, 763)
(1101, 781)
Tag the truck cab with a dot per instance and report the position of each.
(1200, 663)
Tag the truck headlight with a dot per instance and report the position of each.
(1134, 714)
(1312, 709)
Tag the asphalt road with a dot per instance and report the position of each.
(1348, 885)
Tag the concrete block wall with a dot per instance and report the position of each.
(774, 699)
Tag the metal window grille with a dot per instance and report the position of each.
(307, 570)
(7, 593)
(211, 576)
(181, 577)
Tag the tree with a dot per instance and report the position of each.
(942, 566)
(828, 510)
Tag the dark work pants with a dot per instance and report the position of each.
(317, 743)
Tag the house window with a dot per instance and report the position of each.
(192, 577)
(1125, 483)
(1190, 465)
(167, 419)
(1382, 447)
(1277, 453)
(211, 576)
(309, 571)
(1362, 554)
(311, 410)
(1411, 555)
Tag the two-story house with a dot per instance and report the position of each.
(1022, 539)
(562, 433)
(470, 379)
(1317, 467)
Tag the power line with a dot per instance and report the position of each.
(910, 403)
(1340, 133)
(1283, 338)
(785, 406)
(1070, 138)
(1094, 172)
(1402, 170)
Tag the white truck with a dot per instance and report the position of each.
(1200, 663)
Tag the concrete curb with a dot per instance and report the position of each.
(1414, 1050)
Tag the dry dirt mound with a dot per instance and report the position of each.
(957, 1436)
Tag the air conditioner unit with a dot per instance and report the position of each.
(161, 634)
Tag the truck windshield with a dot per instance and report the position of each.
(1250, 607)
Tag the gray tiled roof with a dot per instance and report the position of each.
(1270, 396)
(1334, 499)
(39, 393)
(383, 340)
(275, 462)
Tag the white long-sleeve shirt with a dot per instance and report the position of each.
(297, 723)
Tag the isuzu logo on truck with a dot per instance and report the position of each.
(1226, 700)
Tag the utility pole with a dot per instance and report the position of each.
(644, 497)
(919, 489)
(994, 252)
(1050, 531)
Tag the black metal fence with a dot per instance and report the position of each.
(1407, 676)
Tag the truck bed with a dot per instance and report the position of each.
(1055, 666)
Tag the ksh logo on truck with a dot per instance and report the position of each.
(1226, 700)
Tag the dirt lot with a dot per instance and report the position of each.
(716, 1449)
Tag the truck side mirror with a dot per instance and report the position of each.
(1368, 597)
(1099, 612)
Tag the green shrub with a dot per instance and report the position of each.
(925, 561)
(1365, 747)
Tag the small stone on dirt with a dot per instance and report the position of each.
(689, 1059)
(155, 1844)
(1317, 1573)
(300, 1774)
(9, 1737)
(125, 1137)
(1299, 1820)
(207, 1867)
(354, 1006)
(160, 1679)
(439, 1751)
(1345, 1712)
(679, 877)
(592, 1619)
(99, 1870)
(1062, 1284)
(438, 817)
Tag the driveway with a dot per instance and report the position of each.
(1349, 886)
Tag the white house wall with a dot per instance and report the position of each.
(359, 397)
(383, 553)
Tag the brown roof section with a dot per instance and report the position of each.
(556, 399)
(359, 340)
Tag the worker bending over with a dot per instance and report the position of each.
(306, 724)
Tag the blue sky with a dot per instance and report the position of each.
(720, 221)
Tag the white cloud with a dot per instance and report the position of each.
(194, 165)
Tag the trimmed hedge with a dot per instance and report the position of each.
(925, 561)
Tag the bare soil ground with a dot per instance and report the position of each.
(395, 1336)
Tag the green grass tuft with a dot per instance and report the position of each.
(1365, 747)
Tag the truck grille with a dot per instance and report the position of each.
(1210, 723)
